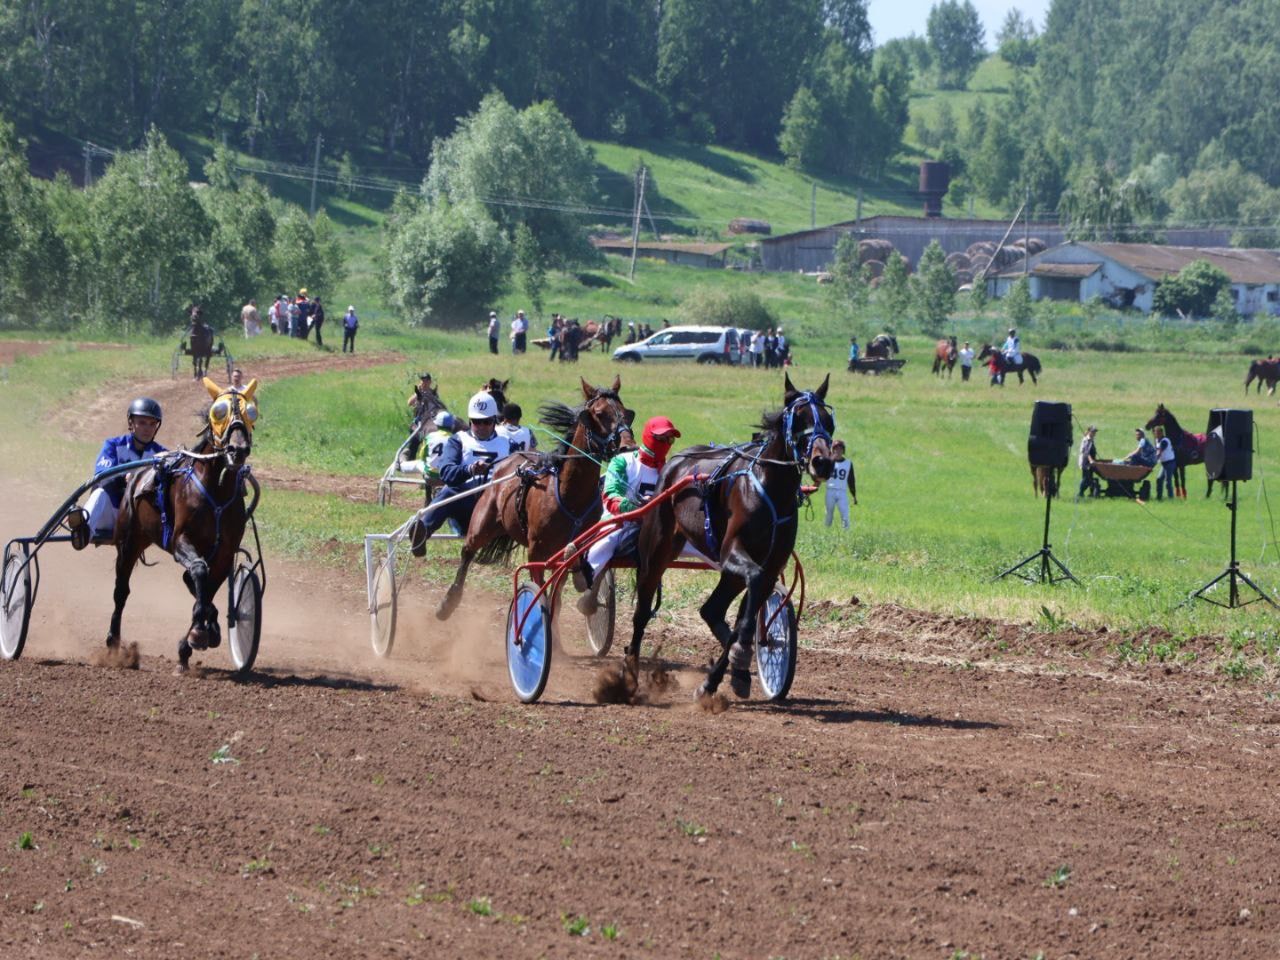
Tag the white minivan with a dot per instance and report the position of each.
(704, 344)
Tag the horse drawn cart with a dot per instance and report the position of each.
(200, 351)
(20, 578)
(876, 365)
(1123, 479)
(536, 589)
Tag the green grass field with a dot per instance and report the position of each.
(945, 499)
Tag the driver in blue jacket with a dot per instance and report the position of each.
(97, 521)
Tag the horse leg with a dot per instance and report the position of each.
(453, 596)
(713, 612)
(127, 554)
(196, 577)
(739, 653)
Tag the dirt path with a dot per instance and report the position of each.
(936, 788)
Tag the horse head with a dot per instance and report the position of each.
(1163, 418)
(429, 404)
(231, 418)
(498, 390)
(808, 424)
(607, 421)
(985, 352)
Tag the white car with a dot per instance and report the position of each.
(704, 344)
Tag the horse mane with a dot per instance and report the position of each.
(561, 419)
(771, 423)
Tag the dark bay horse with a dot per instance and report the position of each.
(744, 518)
(199, 342)
(193, 507)
(1030, 364)
(882, 346)
(1267, 370)
(944, 355)
(557, 494)
(1189, 448)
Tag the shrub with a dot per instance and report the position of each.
(724, 308)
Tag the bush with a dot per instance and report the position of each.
(722, 308)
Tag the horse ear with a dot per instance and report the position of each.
(588, 391)
(249, 391)
(821, 392)
(505, 383)
(617, 383)
(215, 391)
(788, 388)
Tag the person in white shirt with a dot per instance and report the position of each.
(757, 349)
(966, 361)
(518, 438)
(840, 485)
(1168, 459)
(493, 331)
(1013, 346)
(518, 327)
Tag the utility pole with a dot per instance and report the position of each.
(813, 205)
(1026, 232)
(88, 166)
(635, 221)
(315, 172)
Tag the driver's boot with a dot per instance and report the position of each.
(77, 521)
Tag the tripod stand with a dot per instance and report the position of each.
(1047, 561)
(1232, 574)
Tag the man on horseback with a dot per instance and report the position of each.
(1012, 348)
(468, 457)
(630, 480)
(96, 523)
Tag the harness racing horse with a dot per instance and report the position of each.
(1030, 364)
(1188, 448)
(944, 355)
(200, 342)
(558, 493)
(883, 346)
(1263, 370)
(193, 507)
(743, 517)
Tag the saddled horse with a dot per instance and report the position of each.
(944, 355)
(193, 507)
(1030, 364)
(557, 494)
(1188, 447)
(743, 517)
(882, 346)
(1267, 371)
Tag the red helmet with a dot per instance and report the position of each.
(658, 427)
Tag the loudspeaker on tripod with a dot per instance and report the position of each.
(1228, 449)
(1049, 444)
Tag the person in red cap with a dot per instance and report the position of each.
(630, 480)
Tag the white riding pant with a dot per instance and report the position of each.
(838, 500)
(102, 515)
(602, 552)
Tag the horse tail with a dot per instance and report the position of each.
(1032, 363)
(498, 550)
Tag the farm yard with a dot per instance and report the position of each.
(964, 768)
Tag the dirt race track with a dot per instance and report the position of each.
(935, 788)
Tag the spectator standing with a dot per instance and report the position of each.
(350, 324)
(317, 320)
(572, 340)
(966, 361)
(840, 485)
(757, 348)
(553, 335)
(292, 317)
(519, 328)
(854, 352)
(494, 327)
(770, 349)
(1088, 454)
(274, 316)
(250, 319)
(784, 350)
(304, 315)
(1168, 460)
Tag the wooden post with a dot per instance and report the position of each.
(315, 172)
(635, 222)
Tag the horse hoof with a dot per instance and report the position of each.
(197, 639)
(740, 683)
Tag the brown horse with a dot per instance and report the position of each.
(944, 355)
(744, 517)
(193, 507)
(1046, 480)
(1030, 364)
(200, 341)
(557, 494)
(1187, 447)
(882, 346)
(1267, 370)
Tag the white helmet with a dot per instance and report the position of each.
(482, 407)
(444, 420)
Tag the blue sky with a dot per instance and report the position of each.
(898, 18)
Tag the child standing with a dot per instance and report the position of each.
(840, 485)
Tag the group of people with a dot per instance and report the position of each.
(1144, 454)
(298, 317)
(566, 337)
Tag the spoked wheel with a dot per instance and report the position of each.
(15, 605)
(382, 618)
(244, 619)
(776, 651)
(600, 624)
(529, 655)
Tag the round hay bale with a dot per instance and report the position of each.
(874, 250)
(749, 225)
(958, 261)
(963, 277)
(875, 268)
(1036, 245)
(983, 248)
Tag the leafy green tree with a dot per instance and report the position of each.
(935, 288)
(996, 166)
(527, 166)
(894, 293)
(849, 280)
(742, 309)
(1192, 291)
(1099, 206)
(1016, 41)
(33, 258)
(1228, 194)
(530, 268)
(306, 252)
(956, 42)
(1018, 306)
(1223, 308)
(803, 130)
(444, 261)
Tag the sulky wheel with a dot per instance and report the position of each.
(382, 618)
(529, 658)
(244, 618)
(600, 624)
(776, 652)
(15, 605)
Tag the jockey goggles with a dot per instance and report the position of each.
(230, 407)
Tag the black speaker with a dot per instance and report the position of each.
(1050, 442)
(1228, 449)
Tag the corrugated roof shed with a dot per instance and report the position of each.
(1248, 266)
(706, 249)
(1073, 270)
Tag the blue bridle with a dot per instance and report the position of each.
(817, 432)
